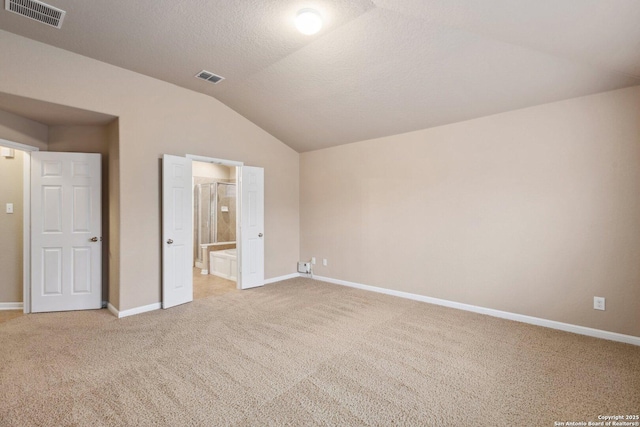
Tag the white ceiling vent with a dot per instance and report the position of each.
(209, 76)
(36, 10)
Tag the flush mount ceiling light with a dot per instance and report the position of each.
(308, 21)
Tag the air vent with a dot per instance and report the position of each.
(36, 10)
(209, 76)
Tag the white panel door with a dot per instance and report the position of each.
(252, 227)
(66, 242)
(177, 231)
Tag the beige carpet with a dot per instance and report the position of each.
(6, 315)
(302, 353)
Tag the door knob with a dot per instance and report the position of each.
(260, 235)
(170, 241)
(94, 239)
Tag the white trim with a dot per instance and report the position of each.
(567, 327)
(238, 229)
(206, 159)
(17, 145)
(133, 311)
(10, 306)
(26, 231)
(280, 278)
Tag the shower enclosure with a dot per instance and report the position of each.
(215, 214)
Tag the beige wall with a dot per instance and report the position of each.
(113, 142)
(16, 128)
(79, 139)
(534, 211)
(155, 118)
(211, 170)
(89, 139)
(11, 191)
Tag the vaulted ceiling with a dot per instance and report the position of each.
(377, 68)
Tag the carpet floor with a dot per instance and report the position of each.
(303, 352)
(6, 315)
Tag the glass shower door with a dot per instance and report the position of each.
(203, 224)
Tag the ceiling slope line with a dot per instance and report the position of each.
(556, 55)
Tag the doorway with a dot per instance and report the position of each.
(20, 156)
(215, 222)
(178, 227)
(60, 266)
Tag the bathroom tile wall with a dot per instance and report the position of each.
(226, 220)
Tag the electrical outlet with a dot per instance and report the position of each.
(324, 262)
(598, 303)
(313, 260)
(304, 267)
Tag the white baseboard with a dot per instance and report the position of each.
(567, 327)
(132, 311)
(157, 306)
(280, 278)
(11, 306)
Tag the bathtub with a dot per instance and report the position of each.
(205, 248)
(224, 264)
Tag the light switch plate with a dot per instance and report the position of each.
(9, 208)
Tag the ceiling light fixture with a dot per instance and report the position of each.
(308, 21)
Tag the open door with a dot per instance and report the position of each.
(251, 227)
(177, 231)
(66, 241)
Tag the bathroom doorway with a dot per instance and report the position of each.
(215, 224)
(178, 231)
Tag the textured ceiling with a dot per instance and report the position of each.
(377, 68)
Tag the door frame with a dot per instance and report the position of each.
(26, 216)
(238, 166)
